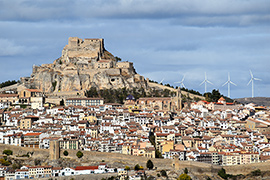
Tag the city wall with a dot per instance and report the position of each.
(122, 160)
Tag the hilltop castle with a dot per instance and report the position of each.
(84, 64)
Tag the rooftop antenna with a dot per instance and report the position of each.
(181, 82)
(205, 83)
(229, 82)
(252, 82)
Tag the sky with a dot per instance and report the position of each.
(164, 39)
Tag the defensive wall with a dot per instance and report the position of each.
(122, 160)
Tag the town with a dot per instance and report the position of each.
(218, 133)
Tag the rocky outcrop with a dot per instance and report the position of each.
(84, 64)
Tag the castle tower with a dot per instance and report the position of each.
(54, 150)
(179, 99)
(176, 101)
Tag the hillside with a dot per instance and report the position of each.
(184, 93)
(261, 101)
(86, 64)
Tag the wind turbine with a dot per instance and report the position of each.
(181, 82)
(229, 82)
(205, 83)
(161, 81)
(252, 82)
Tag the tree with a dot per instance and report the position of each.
(149, 164)
(158, 154)
(79, 154)
(184, 177)
(222, 173)
(117, 59)
(186, 171)
(152, 138)
(62, 103)
(65, 153)
(137, 167)
(7, 83)
(8, 152)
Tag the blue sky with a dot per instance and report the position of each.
(164, 39)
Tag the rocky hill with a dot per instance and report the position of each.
(261, 101)
(84, 64)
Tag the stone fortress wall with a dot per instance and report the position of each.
(121, 160)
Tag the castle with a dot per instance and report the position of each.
(84, 64)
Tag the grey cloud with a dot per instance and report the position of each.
(9, 48)
(185, 12)
(164, 39)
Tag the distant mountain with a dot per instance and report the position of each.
(264, 101)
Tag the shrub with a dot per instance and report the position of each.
(16, 166)
(8, 152)
(256, 172)
(4, 162)
(149, 164)
(163, 173)
(127, 168)
(184, 177)
(79, 154)
(65, 153)
(37, 162)
(222, 173)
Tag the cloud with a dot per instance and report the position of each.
(9, 48)
(164, 39)
(183, 12)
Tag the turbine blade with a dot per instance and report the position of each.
(233, 83)
(183, 85)
(209, 82)
(250, 81)
(225, 83)
(161, 81)
(251, 74)
(183, 78)
(202, 82)
(257, 79)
